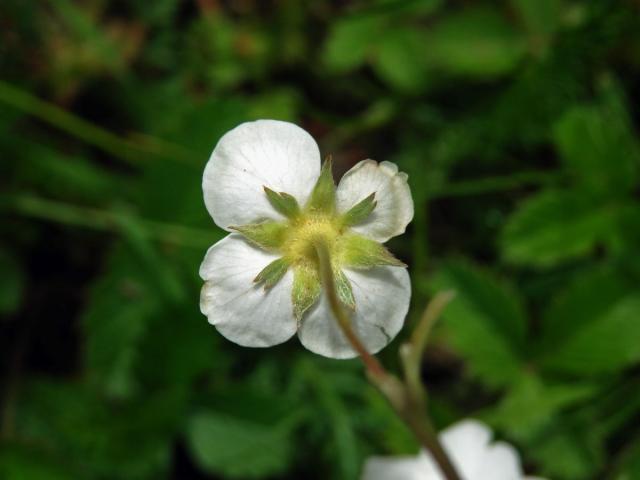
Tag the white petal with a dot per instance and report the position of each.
(278, 155)
(396, 468)
(394, 209)
(382, 297)
(240, 310)
(500, 462)
(466, 442)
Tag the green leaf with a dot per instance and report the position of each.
(120, 306)
(605, 343)
(239, 448)
(278, 103)
(350, 42)
(402, 10)
(475, 42)
(284, 203)
(162, 272)
(592, 327)
(485, 322)
(95, 436)
(344, 290)
(361, 252)
(540, 17)
(599, 149)
(532, 405)
(272, 273)
(22, 463)
(323, 196)
(267, 235)
(590, 296)
(327, 393)
(360, 211)
(306, 289)
(555, 226)
(568, 451)
(400, 59)
(66, 176)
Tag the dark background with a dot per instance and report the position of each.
(516, 121)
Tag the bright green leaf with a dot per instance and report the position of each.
(532, 405)
(237, 448)
(400, 59)
(568, 452)
(604, 344)
(598, 148)
(590, 296)
(475, 42)
(555, 226)
(350, 42)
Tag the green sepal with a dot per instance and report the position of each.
(272, 273)
(323, 196)
(344, 290)
(361, 252)
(284, 203)
(360, 211)
(266, 235)
(306, 289)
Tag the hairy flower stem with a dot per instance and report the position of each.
(374, 367)
(407, 399)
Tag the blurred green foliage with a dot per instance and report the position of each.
(517, 122)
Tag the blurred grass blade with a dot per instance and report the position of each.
(131, 152)
(108, 220)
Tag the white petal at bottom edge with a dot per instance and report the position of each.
(396, 468)
(466, 442)
(382, 297)
(500, 462)
(239, 309)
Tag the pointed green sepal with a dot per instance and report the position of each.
(272, 273)
(284, 203)
(362, 252)
(323, 196)
(360, 211)
(344, 290)
(266, 235)
(306, 289)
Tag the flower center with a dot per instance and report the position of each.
(297, 239)
(303, 234)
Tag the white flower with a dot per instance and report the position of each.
(264, 184)
(468, 444)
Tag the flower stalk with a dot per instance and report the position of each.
(406, 398)
(374, 367)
